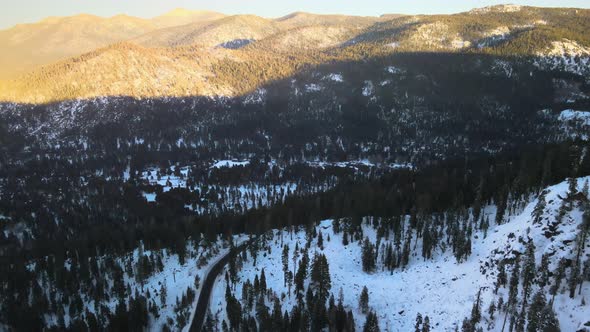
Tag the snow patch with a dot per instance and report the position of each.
(230, 163)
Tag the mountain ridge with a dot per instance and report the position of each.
(553, 38)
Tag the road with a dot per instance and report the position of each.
(207, 287)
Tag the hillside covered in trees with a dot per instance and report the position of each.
(393, 173)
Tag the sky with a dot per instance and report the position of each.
(27, 11)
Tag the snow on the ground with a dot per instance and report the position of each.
(571, 115)
(571, 121)
(256, 97)
(313, 87)
(570, 47)
(230, 163)
(566, 55)
(335, 78)
(394, 70)
(354, 164)
(176, 278)
(497, 8)
(167, 181)
(440, 288)
(368, 89)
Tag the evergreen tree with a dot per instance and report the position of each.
(549, 321)
(534, 316)
(586, 189)
(559, 275)
(492, 309)
(543, 279)
(163, 294)
(368, 256)
(285, 260)
(572, 186)
(476, 310)
(501, 206)
(372, 323)
(262, 282)
(301, 274)
(364, 300)
(539, 207)
(426, 327)
(320, 277)
(529, 271)
(419, 321)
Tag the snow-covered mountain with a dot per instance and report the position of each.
(544, 237)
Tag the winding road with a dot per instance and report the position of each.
(207, 287)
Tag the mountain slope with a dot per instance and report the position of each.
(29, 45)
(180, 16)
(301, 19)
(399, 295)
(26, 46)
(249, 50)
(216, 33)
(123, 69)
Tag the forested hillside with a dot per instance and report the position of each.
(393, 173)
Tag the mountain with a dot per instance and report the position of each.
(301, 19)
(399, 294)
(552, 39)
(27, 46)
(306, 173)
(230, 29)
(124, 69)
(180, 16)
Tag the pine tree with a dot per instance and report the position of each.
(572, 186)
(372, 323)
(426, 327)
(364, 300)
(539, 208)
(549, 321)
(585, 189)
(529, 271)
(534, 316)
(301, 274)
(344, 238)
(262, 282)
(501, 207)
(320, 277)
(478, 199)
(543, 279)
(285, 260)
(559, 275)
(492, 309)
(573, 279)
(501, 278)
(418, 326)
(368, 256)
(476, 310)
(163, 294)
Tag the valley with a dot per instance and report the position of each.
(201, 171)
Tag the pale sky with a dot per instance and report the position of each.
(26, 11)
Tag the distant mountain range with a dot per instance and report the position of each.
(189, 53)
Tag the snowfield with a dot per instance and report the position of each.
(441, 288)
